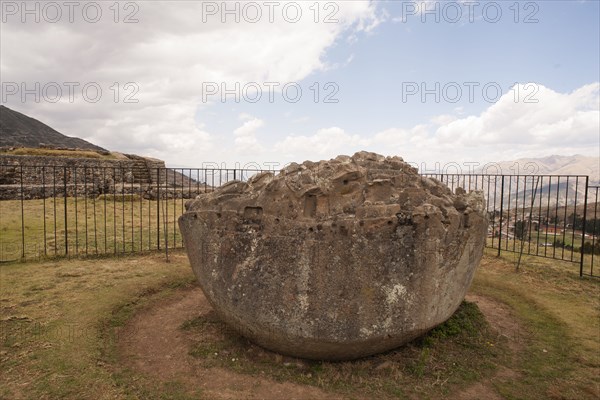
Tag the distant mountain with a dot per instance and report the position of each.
(546, 191)
(551, 165)
(19, 130)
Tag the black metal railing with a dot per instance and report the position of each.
(591, 223)
(71, 211)
(552, 216)
(68, 211)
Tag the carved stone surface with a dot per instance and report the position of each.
(337, 259)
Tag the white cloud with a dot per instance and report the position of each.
(559, 123)
(175, 132)
(326, 143)
(249, 127)
(246, 142)
(169, 54)
(554, 119)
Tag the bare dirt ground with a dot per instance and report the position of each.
(499, 317)
(155, 345)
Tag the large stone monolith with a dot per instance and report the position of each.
(336, 259)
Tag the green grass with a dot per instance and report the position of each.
(456, 353)
(94, 226)
(123, 198)
(560, 317)
(125, 223)
(563, 257)
(61, 319)
(59, 325)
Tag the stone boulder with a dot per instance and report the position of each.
(335, 259)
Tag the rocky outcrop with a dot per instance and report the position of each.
(337, 259)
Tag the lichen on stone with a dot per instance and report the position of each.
(335, 259)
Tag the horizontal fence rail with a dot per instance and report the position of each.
(551, 216)
(70, 211)
(52, 211)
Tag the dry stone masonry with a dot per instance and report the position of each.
(335, 259)
(37, 177)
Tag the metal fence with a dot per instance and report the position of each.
(551, 216)
(71, 211)
(68, 211)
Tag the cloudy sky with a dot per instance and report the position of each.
(195, 83)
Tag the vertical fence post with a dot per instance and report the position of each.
(54, 208)
(94, 194)
(174, 184)
(44, 207)
(594, 231)
(105, 191)
(166, 214)
(131, 204)
(158, 208)
(76, 211)
(65, 206)
(585, 201)
(22, 217)
(123, 207)
(501, 215)
(162, 217)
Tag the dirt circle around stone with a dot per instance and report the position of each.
(180, 339)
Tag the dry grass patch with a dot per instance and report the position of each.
(110, 224)
(29, 151)
(54, 316)
(61, 321)
(455, 354)
(561, 325)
